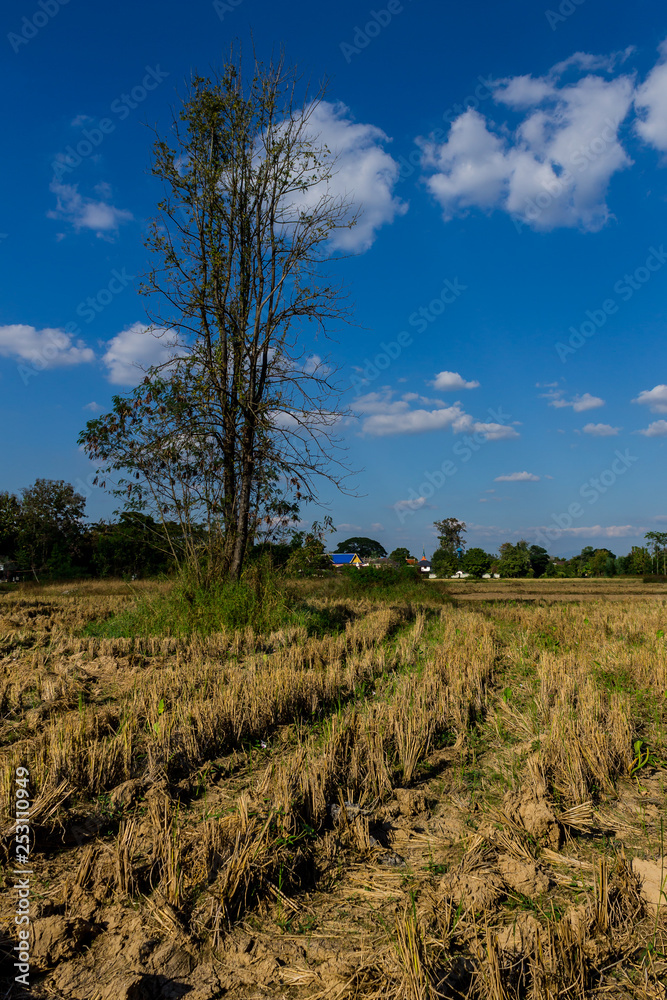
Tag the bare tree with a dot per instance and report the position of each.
(241, 420)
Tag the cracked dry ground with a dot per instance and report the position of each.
(434, 801)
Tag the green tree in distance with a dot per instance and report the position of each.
(10, 523)
(399, 555)
(659, 543)
(450, 533)
(514, 559)
(539, 559)
(366, 548)
(476, 562)
(51, 515)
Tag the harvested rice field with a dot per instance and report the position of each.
(458, 796)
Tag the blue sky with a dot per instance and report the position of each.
(506, 362)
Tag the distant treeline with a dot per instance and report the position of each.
(43, 535)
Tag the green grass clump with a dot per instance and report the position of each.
(399, 584)
(255, 602)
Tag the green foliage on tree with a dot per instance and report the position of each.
(476, 562)
(515, 560)
(597, 564)
(539, 559)
(51, 515)
(399, 555)
(10, 524)
(444, 562)
(450, 533)
(658, 541)
(132, 546)
(366, 548)
(308, 550)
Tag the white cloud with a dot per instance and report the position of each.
(518, 477)
(364, 173)
(417, 504)
(377, 526)
(651, 104)
(411, 421)
(93, 407)
(578, 403)
(386, 415)
(554, 168)
(451, 382)
(86, 213)
(601, 430)
(657, 429)
(655, 399)
(348, 527)
(597, 530)
(48, 348)
(135, 349)
(588, 61)
(491, 431)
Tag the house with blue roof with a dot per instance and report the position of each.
(346, 559)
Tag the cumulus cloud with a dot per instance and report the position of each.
(135, 349)
(451, 382)
(47, 348)
(491, 431)
(93, 407)
(597, 530)
(377, 526)
(657, 429)
(578, 403)
(651, 104)
(406, 421)
(364, 173)
(383, 415)
(418, 503)
(601, 430)
(553, 169)
(655, 399)
(87, 213)
(518, 477)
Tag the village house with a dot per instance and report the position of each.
(346, 559)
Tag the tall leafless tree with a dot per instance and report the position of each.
(239, 248)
